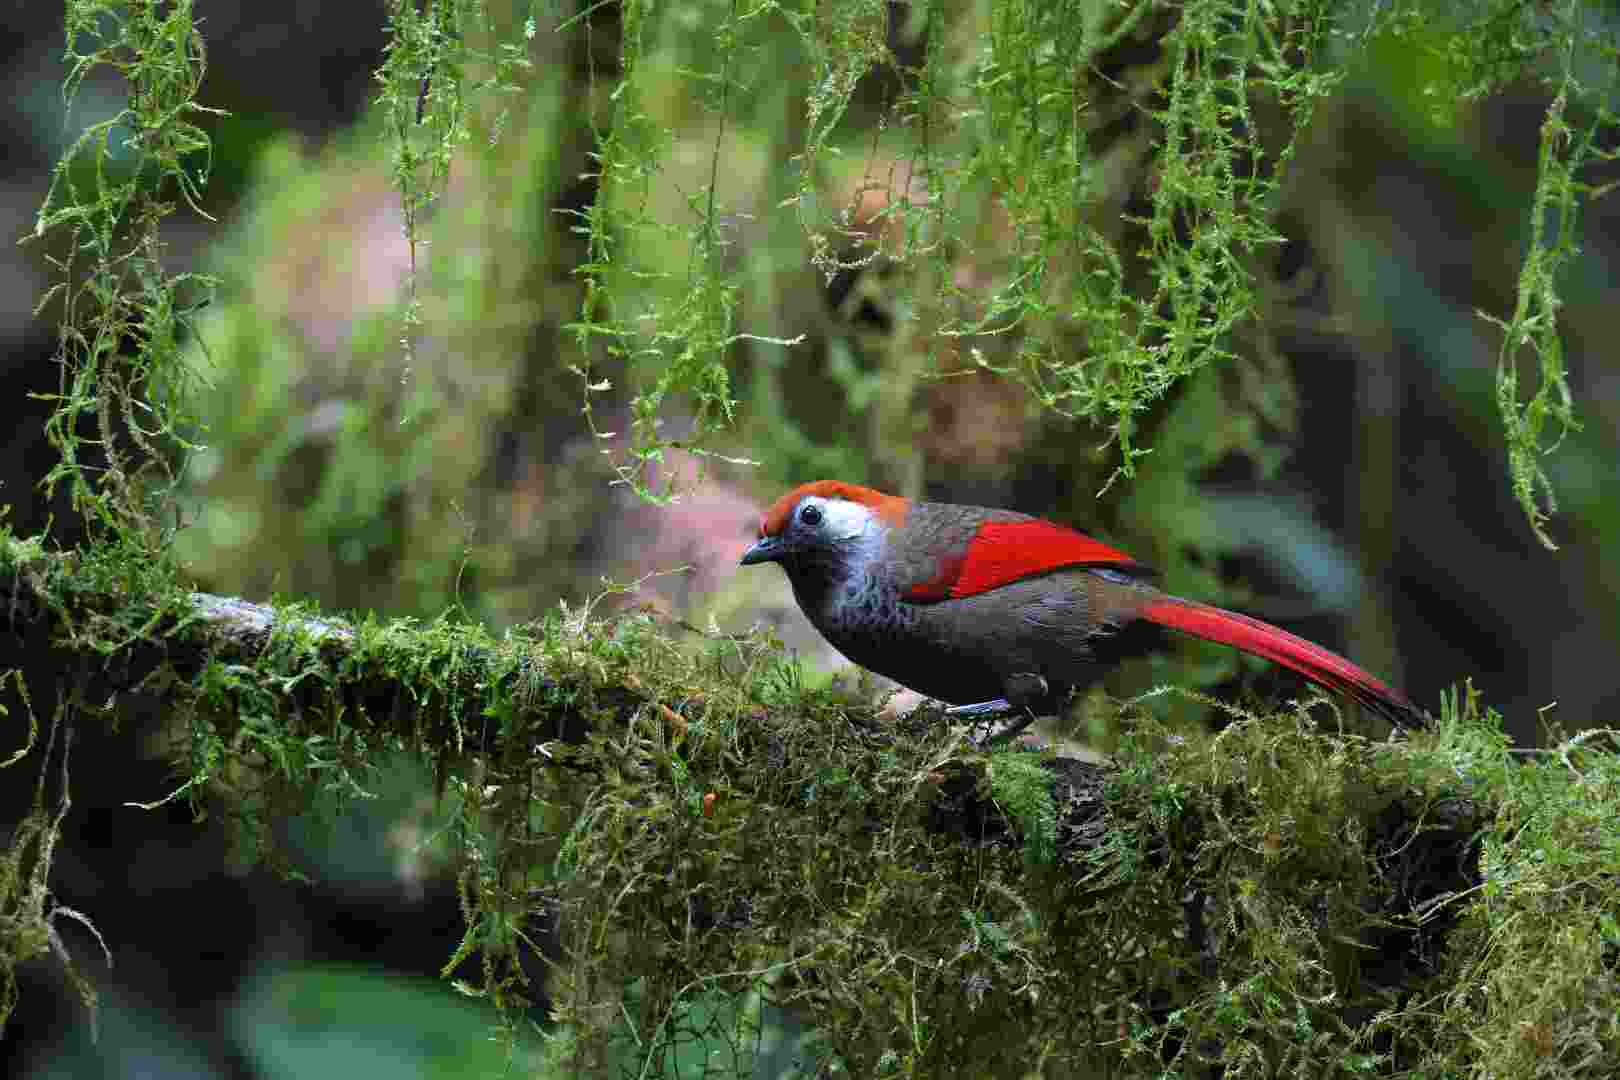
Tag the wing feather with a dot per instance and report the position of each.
(1002, 552)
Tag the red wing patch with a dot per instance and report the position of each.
(1002, 552)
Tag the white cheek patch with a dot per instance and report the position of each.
(844, 520)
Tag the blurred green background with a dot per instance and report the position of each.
(1344, 472)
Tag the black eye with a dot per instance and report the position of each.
(810, 515)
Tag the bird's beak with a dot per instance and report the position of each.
(765, 549)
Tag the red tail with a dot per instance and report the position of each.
(1319, 665)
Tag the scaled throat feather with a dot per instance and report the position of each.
(846, 565)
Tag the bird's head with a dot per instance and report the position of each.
(822, 523)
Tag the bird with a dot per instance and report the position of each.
(991, 610)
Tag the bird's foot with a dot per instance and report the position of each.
(1000, 721)
(983, 708)
(1004, 717)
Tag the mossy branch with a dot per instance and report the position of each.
(648, 764)
(664, 810)
(429, 687)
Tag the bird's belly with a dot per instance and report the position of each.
(933, 669)
(877, 630)
(964, 650)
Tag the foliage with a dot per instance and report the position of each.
(380, 347)
(686, 341)
(1121, 210)
(724, 832)
(122, 311)
(1569, 144)
(122, 315)
(441, 59)
(335, 466)
(1021, 786)
(1569, 49)
(29, 914)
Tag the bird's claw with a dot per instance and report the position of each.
(981, 708)
(1000, 717)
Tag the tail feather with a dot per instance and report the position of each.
(1321, 666)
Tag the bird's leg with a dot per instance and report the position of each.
(993, 707)
(1024, 689)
